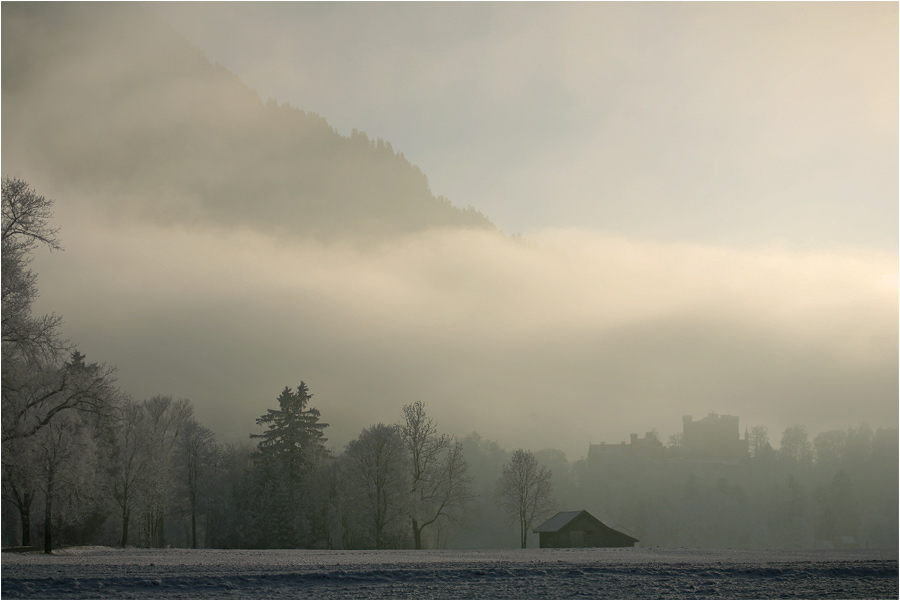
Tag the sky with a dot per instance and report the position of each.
(739, 124)
(707, 196)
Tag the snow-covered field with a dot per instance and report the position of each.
(98, 572)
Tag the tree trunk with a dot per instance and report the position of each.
(23, 501)
(417, 534)
(194, 528)
(48, 512)
(159, 541)
(25, 515)
(48, 521)
(524, 531)
(126, 517)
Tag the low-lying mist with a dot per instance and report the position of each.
(557, 340)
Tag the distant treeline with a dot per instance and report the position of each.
(838, 489)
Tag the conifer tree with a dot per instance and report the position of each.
(294, 436)
(288, 450)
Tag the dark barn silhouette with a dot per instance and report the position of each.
(580, 529)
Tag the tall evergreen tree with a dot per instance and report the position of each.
(291, 446)
(294, 436)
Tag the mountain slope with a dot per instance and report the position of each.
(106, 101)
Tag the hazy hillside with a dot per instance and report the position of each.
(106, 101)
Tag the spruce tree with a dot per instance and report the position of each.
(288, 451)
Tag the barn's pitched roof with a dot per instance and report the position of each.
(563, 518)
(557, 522)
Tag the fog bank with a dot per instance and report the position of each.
(557, 340)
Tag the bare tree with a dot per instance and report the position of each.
(165, 420)
(20, 481)
(525, 492)
(440, 486)
(676, 443)
(37, 381)
(376, 476)
(195, 454)
(127, 458)
(65, 469)
(24, 228)
(36, 391)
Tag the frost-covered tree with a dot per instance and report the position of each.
(525, 492)
(375, 477)
(36, 390)
(440, 487)
(194, 460)
(66, 472)
(127, 457)
(20, 485)
(38, 383)
(165, 420)
(25, 227)
(46, 383)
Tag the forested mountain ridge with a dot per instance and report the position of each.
(108, 102)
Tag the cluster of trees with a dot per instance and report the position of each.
(98, 466)
(50, 393)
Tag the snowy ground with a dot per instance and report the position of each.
(104, 573)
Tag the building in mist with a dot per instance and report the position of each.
(713, 438)
(580, 529)
(648, 447)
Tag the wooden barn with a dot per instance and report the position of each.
(580, 529)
